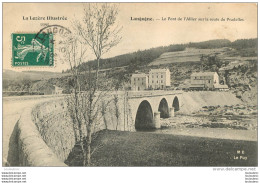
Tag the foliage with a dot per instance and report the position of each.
(136, 60)
(99, 30)
(211, 62)
(97, 33)
(133, 60)
(244, 43)
(218, 43)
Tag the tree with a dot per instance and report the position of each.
(25, 85)
(74, 100)
(88, 98)
(211, 62)
(84, 103)
(99, 30)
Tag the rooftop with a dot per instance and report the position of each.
(203, 74)
(218, 86)
(139, 75)
(159, 70)
(197, 85)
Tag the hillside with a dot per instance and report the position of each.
(30, 75)
(181, 59)
(242, 80)
(187, 55)
(197, 100)
(194, 55)
(31, 82)
(135, 60)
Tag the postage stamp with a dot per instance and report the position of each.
(32, 49)
(59, 40)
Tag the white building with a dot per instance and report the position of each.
(139, 81)
(206, 80)
(57, 90)
(159, 78)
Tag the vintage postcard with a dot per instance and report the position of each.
(130, 85)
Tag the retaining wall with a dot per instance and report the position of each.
(55, 126)
(32, 150)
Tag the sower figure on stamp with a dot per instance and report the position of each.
(35, 46)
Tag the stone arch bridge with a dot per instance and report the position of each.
(147, 107)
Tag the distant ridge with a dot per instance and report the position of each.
(30, 75)
(141, 58)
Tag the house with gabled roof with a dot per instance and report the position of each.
(206, 80)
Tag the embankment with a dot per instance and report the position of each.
(55, 126)
(32, 150)
(194, 101)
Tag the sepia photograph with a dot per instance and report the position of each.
(130, 85)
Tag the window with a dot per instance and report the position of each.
(161, 76)
(209, 81)
(138, 79)
(161, 81)
(157, 76)
(134, 79)
(152, 81)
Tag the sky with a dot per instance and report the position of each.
(138, 35)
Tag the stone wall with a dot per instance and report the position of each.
(32, 150)
(56, 128)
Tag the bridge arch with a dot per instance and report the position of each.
(144, 116)
(163, 108)
(175, 104)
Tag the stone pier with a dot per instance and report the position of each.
(171, 113)
(156, 120)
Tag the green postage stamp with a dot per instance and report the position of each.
(32, 50)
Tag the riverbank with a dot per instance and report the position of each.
(152, 149)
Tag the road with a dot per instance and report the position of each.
(12, 110)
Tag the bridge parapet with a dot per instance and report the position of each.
(152, 93)
(32, 150)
